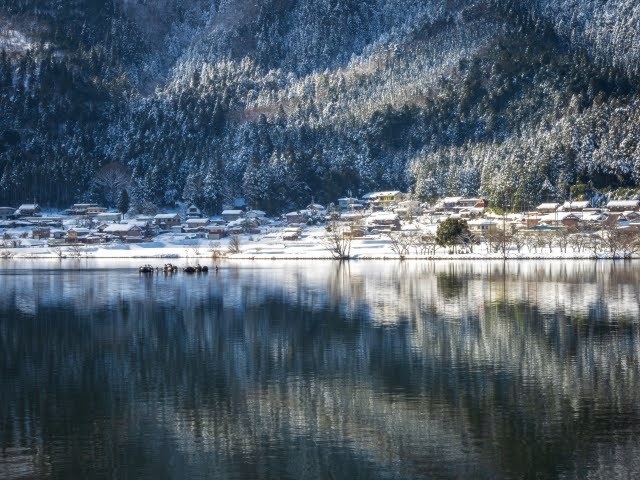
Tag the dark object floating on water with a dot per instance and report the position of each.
(146, 269)
(197, 269)
(169, 268)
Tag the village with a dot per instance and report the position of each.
(384, 224)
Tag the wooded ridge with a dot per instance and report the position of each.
(281, 101)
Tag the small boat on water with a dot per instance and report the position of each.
(146, 269)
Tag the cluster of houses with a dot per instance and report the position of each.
(373, 213)
(381, 212)
(89, 223)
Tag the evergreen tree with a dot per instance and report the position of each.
(451, 231)
(123, 201)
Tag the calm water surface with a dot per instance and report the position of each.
(321, 370)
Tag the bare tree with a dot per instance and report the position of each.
(578, 239)
(562, 239)
(335, 240)
(531, 241)
(518, 240)
(629, 242)
(110, 180)
(425, 243)
(234, 244)
(541, 240)
(215, 250)
(499, 241)
(611, 239)
(401, 242)
(469, 240)
(594, 244)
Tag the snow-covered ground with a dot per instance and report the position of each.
(270, 245)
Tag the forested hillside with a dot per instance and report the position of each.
(280, 101)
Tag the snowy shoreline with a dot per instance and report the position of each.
(268, 251)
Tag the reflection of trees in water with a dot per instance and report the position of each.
(255, 358)
(449, 284)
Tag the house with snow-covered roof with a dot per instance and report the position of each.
(197, 222)
(383, 221)
(232, 214)
(384, 198)
(193, 212)
(28, 210)
(124, 230)
(108, 217)
(482, 226)
(547, 207)
(575, 206)
(76, 234)
(623, 205)
(345, 202)
(167, 220)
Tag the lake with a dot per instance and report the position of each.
(285, 369)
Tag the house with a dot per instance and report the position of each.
(41, 233)
(28, 210)
(351, 217)
(383, 221)
(354, 207)
(344, 202)
(108, 217)
(124, 230)
(408, 208)
(575, 206)
(216, 232)
(547, 207)
(193, 212)
(560, 219)
(385, 198)
(77, 234)
(300, 216)
(58, 234)
(166, 220)
(480, 203)
(259, 214)
(6, 213)
(196, 223)
(623, 205)
(95, 238)
(482, 226)
(231, 215)
(85, 210)
(447, 204)
(43, 221)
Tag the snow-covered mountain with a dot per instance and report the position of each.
(283, 100)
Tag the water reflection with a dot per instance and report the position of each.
(353, 370)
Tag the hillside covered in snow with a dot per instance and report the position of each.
(279, 101)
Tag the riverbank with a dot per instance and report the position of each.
(311, 246)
